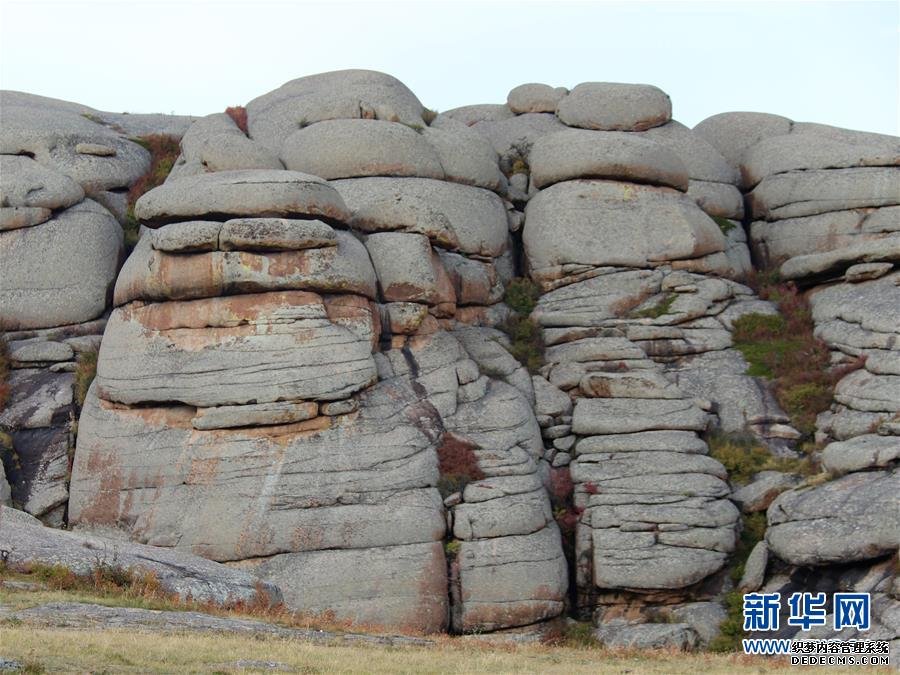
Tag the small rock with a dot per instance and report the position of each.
(562, 459)
(867, 271)
(334, 408)
(39, 351)
(766, 485)
(260, 414)
(755, 569)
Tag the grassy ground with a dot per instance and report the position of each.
(51, 649)
(115, 651)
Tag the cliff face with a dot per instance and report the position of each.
(307, 363)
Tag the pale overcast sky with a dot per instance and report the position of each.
(830, 62)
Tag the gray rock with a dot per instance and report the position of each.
(215, 143)
(856, 517)
(535, 98)
(618, 416)
(718, 199)
(59, 272)
(615, 155)
(837, 261)
(340, 94)
(674, 441)
(87, 616)
(512, 138)
(334, 408)
(400, 586)
(373, 488)
(5, 490)
(466, 156)
(594, 349)
(232, 350)
(677, 636)
(862, 314)
(25, 183)
(275, 234)
(486, 347)
(516, 514)
(606, 223)
(702, 161)
(755, 569)
(455, 217)
(192, 236)
(472, 114)
(637, 384)
(354, 148)
(254, 415)
(180, 573)
(863, 452)
(812, 150)
(806, 193)
(731, 133)
(36, 350)
(704, 617)
(613, 106)
(38, 399)
(510, 581)
(51, 136)
(157, 275)
(474, 282)
(867, 271)
(550, 400)
(15, 217)
(762, 491)
(241, 193)
(407, 269)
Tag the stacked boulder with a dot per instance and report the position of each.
(298, 346)
(825, 204)
(632, 231)
(63, 178)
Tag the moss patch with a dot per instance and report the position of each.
(525, 335)
(743, 456)
(659, 309)
(724, 224)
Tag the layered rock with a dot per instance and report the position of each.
(64, 172)
(824, 207)
(294, 349)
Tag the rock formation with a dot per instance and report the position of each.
(306, 373)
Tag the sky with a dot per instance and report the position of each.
(830, 62)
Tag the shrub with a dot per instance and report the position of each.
(457, 464)
(164, 150)
(429, 115)
(239, 115)
(526, 342)
(522, 295)
(4, 375)
(85, 371)
(744, 457)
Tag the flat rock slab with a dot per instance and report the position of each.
(455, 217)
(856, 517)
(806, 193)
(275, 234)
(230, 351)
(85, 616)
(615, 155)
(863, 452)
(229, 194)
(619, 416)
(344, 148)
(614, 106)
(834, 262)
(535, 98)
(600, 223)
(149, 274)
(178, 572)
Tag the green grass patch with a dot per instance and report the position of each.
(724, 224)
(525, 335)
(743, 456)
(522, 295)
(85, 371)
(659, 309)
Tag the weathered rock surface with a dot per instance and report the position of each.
(226, 194)
(679, 636)
(616, 155)
(183, 574)
(240, 349)
(535, 98)
(604, 223)
(59, 272)
(856, 517)
(612, 106)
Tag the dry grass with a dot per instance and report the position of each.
(164, 150)
(119, 651)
